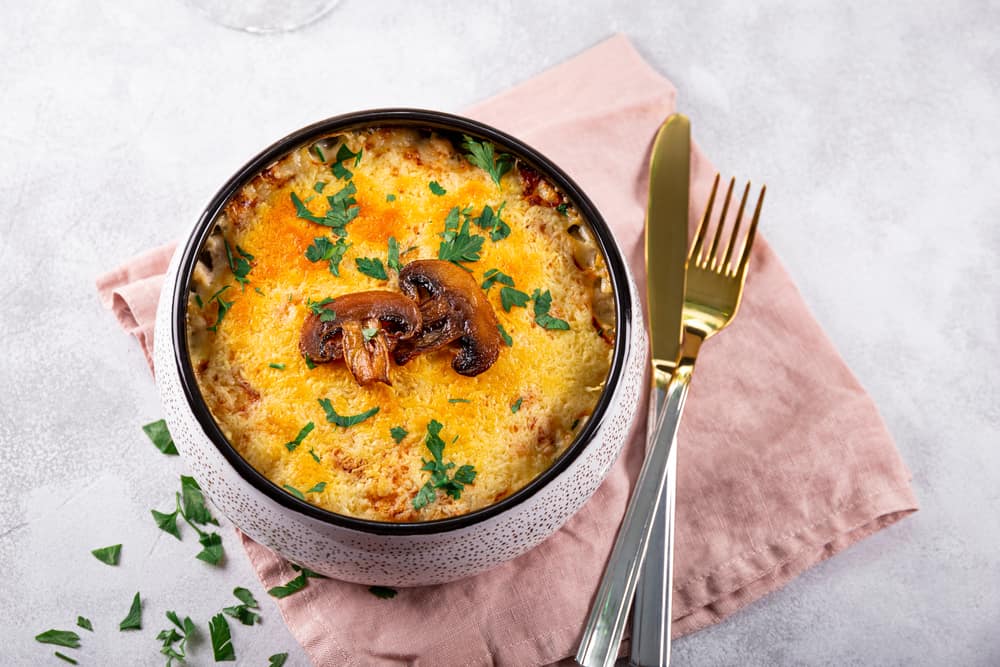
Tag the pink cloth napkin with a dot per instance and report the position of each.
(783, 458)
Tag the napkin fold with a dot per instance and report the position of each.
(783, 458)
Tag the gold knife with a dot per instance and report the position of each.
(666, 257)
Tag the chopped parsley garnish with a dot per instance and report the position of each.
(481, 154)
(369, 332)
(66, 638)
(224, 307)
(170, 637)
(319, 152)
(277, 660)
(309, 362)
(510, 297)
(343, 154)
(458, 245)
(393, 260)
(197, 300)
(372, 267)
(303, 432)
(516, 405)
(109, 555)
(193, 502)
(458, 400)
(295, 492)
(279, 367)
(398, 433)
(239, 263)
(158, 433)
(496, 276)
(314, 456)
(390, 197)
(222, 641)
(324, 250)
(244, 612)
(383, 592)
(543, 301)
(212, 551)
(84, 622)
(439, 471)
(319, 308)
(296, 584)
(134, 619)
(436, 188)
(562, 208)
(317, 487)
(507, 340)
(342, 209)
(319, 185)
(345, 420)
(490, 220)
(66, 658)
(190, 506)
(258, 290)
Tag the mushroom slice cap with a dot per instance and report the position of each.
(454, 310)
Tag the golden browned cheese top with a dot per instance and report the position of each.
(507, 424)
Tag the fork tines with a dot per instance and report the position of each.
(711, 260)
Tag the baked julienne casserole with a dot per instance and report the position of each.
(398, 325)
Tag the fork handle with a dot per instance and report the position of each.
(609, 612)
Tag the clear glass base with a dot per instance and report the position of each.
(263, 16)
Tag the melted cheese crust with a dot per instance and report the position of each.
(556, 375)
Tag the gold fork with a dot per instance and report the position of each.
(714, 287)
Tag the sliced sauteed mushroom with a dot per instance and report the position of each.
(454, 310)
(364, 328)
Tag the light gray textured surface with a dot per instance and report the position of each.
(876, 126)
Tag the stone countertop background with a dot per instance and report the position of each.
(876, 126)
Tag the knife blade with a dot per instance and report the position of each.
(666, 255)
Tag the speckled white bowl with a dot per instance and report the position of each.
(393, 554)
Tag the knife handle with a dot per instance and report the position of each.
(609, 613)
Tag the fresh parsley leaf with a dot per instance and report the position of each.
(343, 154)
(158, 433)
(197, 300)
(277, 660)
(507, 340)
(84, 622)
(383, 592)
(481, 154)
(295, 492)
(212, 551)
(436, 188)
(295, 585)
(439, 470)
(246, 597)
(193, 502)
(465, 474)
(66, 638)
(317, 488)
(258, 290)
(345, 420)
(109, 555)
(239, 263)
(562, 208)
(458, 244)
(393, 260)
(496, 276)
(320, 308)
(371, 266)
(458, 400)
(242, 613)
(324, 250)
(516, 405)
(314, 456)
(303, 432)
(169, 637)
(368, 333)
(319, 185)
(543, 301)
(167, 522)
(398, 433)
(491, 221)
(224, 307)
(425, 496)
(309, 362)
(510, 297)
(279, 367)
(222, 641)
(134, 619)
(319, 152)
(342, 209)
(390, 198)
(63, 656)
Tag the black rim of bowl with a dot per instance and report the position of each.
(431, 120)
